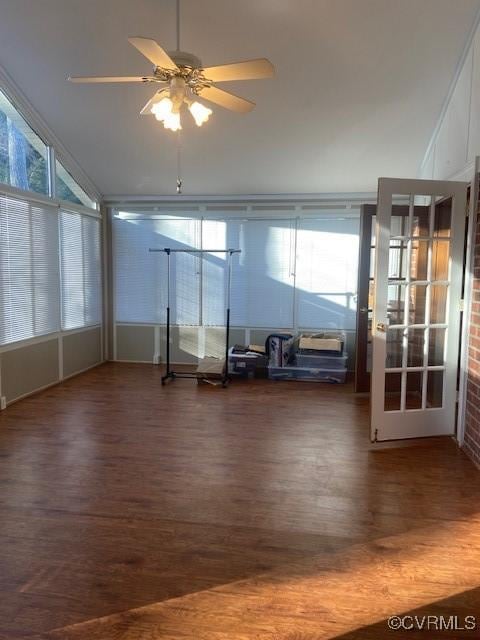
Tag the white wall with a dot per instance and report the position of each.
(456, 139)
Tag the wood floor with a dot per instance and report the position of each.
(131, 511)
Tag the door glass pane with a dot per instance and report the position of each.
(393, 387)
(438, 312)
(418, 299)
(436, 347)
(440, 259)
(396, 303)
(421, 216)
(398, 226)
(371, 292)
(394, 348)
(397, 262)
(419, 260)
(369, 341)
(372, 262)
(416, 342)
(443, 218)
(374, 231)
(414, 390)
(435, 389)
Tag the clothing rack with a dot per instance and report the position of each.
(170, 374)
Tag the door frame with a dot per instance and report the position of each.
(362, 376)
(473, 219)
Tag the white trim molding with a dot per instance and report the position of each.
(330, 200)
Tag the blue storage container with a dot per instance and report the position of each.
(244, 364)
(308, 373)
(320, 361)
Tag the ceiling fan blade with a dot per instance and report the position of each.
(226, 99)
(154, 52)
(147, 109)
(85, 79)
(248, 70)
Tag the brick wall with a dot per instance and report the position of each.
(472, 416)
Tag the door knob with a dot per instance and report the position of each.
(381, 327)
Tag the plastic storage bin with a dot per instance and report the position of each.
(320, 361)
(308, 373)
(244, 364)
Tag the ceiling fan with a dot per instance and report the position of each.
(185, 79)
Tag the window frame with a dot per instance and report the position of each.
(32, 198)
(54, 151)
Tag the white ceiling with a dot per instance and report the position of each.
(359, 86)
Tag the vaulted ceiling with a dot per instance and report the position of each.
(359, 86)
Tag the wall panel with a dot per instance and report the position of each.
(452, 142)
(29, 368)
(135, 343)
(81, 350)
(456, 140)
(474, 133)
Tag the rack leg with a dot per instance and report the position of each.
(168, 374)
(226, 378)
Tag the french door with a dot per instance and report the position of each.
(416, 317)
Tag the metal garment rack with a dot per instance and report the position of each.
(170, 374)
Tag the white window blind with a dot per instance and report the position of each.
(290, 273)
(81, 270)
(29, 272)
(262, 275)
(217, 234)
(326, 272)
(141, 276)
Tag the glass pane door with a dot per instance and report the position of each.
(415, 329)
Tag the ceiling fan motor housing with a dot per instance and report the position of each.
(185, 59)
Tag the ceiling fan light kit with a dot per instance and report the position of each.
(167, 104)
(185, 80)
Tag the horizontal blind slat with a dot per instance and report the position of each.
(29, 280)
(141, 276)
(81, 270)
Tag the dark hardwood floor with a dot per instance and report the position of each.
(132, 511)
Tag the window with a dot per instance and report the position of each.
(141, 276)
(326, 272)
(262, 292)
(81, 270)
(68, 189)
(290, 272)
(23, 155)
(29, 274)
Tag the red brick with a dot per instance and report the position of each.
(472, 409)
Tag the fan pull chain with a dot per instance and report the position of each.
(179, 164)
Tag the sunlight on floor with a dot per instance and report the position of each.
(323, 597)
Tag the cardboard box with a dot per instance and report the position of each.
(320, 344)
